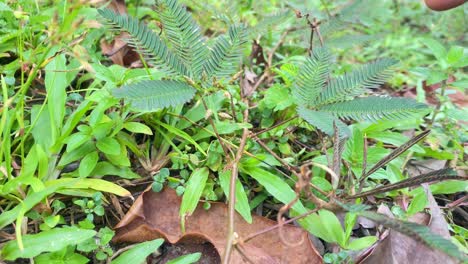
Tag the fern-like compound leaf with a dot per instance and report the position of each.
(353, 84)
(312, 77)
(418, 232)
(373, 108)
(146, 40)
(226, 53)
(150, 96)
(184, 34)
(323, 121)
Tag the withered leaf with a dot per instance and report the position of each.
(156, 215)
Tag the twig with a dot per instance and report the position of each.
(240, 249)
(274, 126)
(118, 252)
(271, 228)
(443, 85)
(232, 188)
(233, 110)
(265, 147)
(364, 161)
(225, 149)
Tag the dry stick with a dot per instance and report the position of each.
(265, 147)
(364, 161)
(241, 251)
(233, 110)
(438, 175)
(336, 149)
(225, 149)
(395, 153)
(270, 58)
(232, 188)
(118, 252)
(301, 184)
(288, 167)
(457, 202)
(274, 126)
(266, 230)
(439, 103)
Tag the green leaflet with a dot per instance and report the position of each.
(242, 201)
(139, 252)
(47, 241)
(373, 108)
(324, 121)
(312, 77)
(193, 191)
(150, 96)
(184, 35)
(281, 191)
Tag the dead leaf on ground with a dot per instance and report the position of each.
(156, 215)
(458, 98)
(397, 248)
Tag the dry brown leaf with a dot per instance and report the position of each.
(397, 248)
(248, 83)
(156, 215)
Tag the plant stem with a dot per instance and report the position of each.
(232, 188)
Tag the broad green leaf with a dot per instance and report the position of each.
(455, 54)
(186, 259)
(120, 159)
(349, 222)
(333, 226)
(361, 243)
(136, 127)
(277, 98)
(242, 201)
(76, 154)
(182, 134)
(463, 62)
(101, 130)
(61, 258)
(138, 253)
(31, 200)
(95, 184)
(193, 191)
(284, 193)
(88, 163)
(393, 138)
(56, 83)
(41, 129)
(76, 140)
(197, 112)
(463, 83)
(74, 119)
(47, 241)
(449, 187)
(418, 203)
(436, 77)
(148, 96)
(223, 127)
(109, 146)
(104, 168)
(43, 162)
(437, 49)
